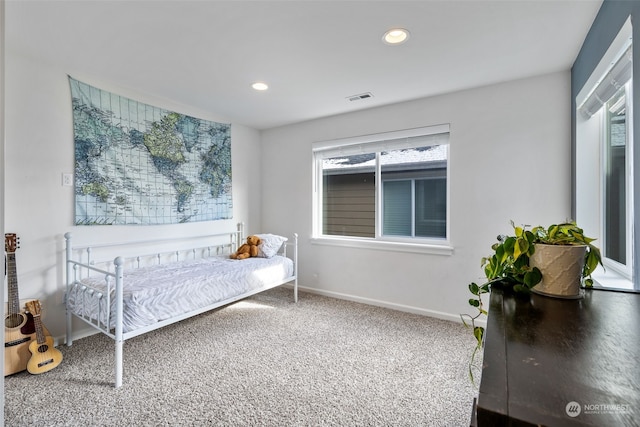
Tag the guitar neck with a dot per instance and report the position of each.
(40, 335)
(12, 282)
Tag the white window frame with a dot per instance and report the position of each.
(625, 270)
(370, 144)
(591, 168)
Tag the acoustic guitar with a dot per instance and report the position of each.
(44, 356)
(19, 327)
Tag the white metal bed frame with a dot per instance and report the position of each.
(113, 275)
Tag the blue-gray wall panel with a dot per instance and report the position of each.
(606, 26)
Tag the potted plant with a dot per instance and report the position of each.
(566, 258)
(521, 263)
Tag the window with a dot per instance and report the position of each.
(615, 176)
(603, 145)
(388, 187)
(415, 206)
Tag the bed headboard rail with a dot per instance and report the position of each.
(141, 252)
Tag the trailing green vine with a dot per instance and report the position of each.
(509, 268)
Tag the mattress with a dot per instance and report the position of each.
(153, 294)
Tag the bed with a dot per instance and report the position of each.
(138, 292)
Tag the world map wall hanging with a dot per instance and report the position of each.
(140, 164)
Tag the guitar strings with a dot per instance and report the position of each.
(41, 340)
(44, 354)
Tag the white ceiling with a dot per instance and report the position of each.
(313, 54)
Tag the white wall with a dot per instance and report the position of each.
(588, 174)
(2, 22)
(509, 160)
(39, 148)
(497, 133)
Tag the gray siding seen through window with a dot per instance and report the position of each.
(349, 205)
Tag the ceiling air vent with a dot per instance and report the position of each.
(360, 97)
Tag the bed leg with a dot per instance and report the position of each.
(295, 267)
(119, 263)
(69, 340)
(68, 256)
(119, 363)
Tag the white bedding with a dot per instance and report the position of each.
(153, 294)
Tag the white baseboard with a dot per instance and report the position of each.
(338, 295)
(393, 306)
(77, 335)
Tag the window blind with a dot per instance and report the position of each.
(413, 138)
(617, 77)
(397, 201)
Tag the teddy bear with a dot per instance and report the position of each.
(249, 249)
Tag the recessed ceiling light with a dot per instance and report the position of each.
(395, 36)
(260, 86)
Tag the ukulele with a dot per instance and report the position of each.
(44, 356)
(19, 328)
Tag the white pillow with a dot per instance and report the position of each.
(270, 244)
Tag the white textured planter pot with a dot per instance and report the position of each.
(561, 268)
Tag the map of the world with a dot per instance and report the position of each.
(140, 164)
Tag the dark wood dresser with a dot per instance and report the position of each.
(559, 362)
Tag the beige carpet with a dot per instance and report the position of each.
(264, 361)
